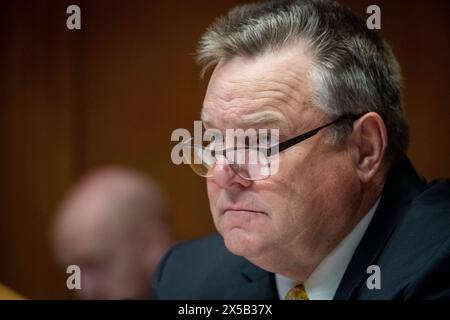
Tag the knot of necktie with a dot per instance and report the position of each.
(297, 293)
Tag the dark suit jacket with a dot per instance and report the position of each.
(408, 238)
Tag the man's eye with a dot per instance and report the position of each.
(214, 146)
(265, 140)
(268, 140)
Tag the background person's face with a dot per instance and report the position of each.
(108, 253)
(304, 206)
(113, 272)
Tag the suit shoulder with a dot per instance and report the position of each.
(209, 246)
(196, 268)
(429, 212)
(417, 254)
(436, 194)
(425, 226)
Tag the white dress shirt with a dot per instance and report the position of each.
(324, 280)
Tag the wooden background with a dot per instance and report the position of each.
(113, 92)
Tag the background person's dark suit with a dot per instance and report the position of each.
(408, 238)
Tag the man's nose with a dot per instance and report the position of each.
(225, 176)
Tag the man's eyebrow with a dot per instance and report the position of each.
(266, 117)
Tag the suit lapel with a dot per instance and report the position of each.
(255, 284)
(402, 184)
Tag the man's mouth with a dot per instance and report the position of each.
(242, 211)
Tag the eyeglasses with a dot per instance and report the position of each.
(255, 163)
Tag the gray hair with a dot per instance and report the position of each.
(354, 69)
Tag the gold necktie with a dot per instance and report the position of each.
(297, 293)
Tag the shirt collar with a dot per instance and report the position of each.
(324, 281)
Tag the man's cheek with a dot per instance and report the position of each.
(213, 195)
(210, 188)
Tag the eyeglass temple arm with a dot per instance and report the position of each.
(289, 143)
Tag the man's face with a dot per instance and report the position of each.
(110, 259)
(303, 206)
(111, 270)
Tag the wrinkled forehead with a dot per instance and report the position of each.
(266, 91)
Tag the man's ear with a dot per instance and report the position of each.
(369, 139)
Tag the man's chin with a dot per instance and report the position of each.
(243, 243)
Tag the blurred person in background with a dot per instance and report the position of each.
(112, 224)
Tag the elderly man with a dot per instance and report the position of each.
(113, 226)
(345, 216)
